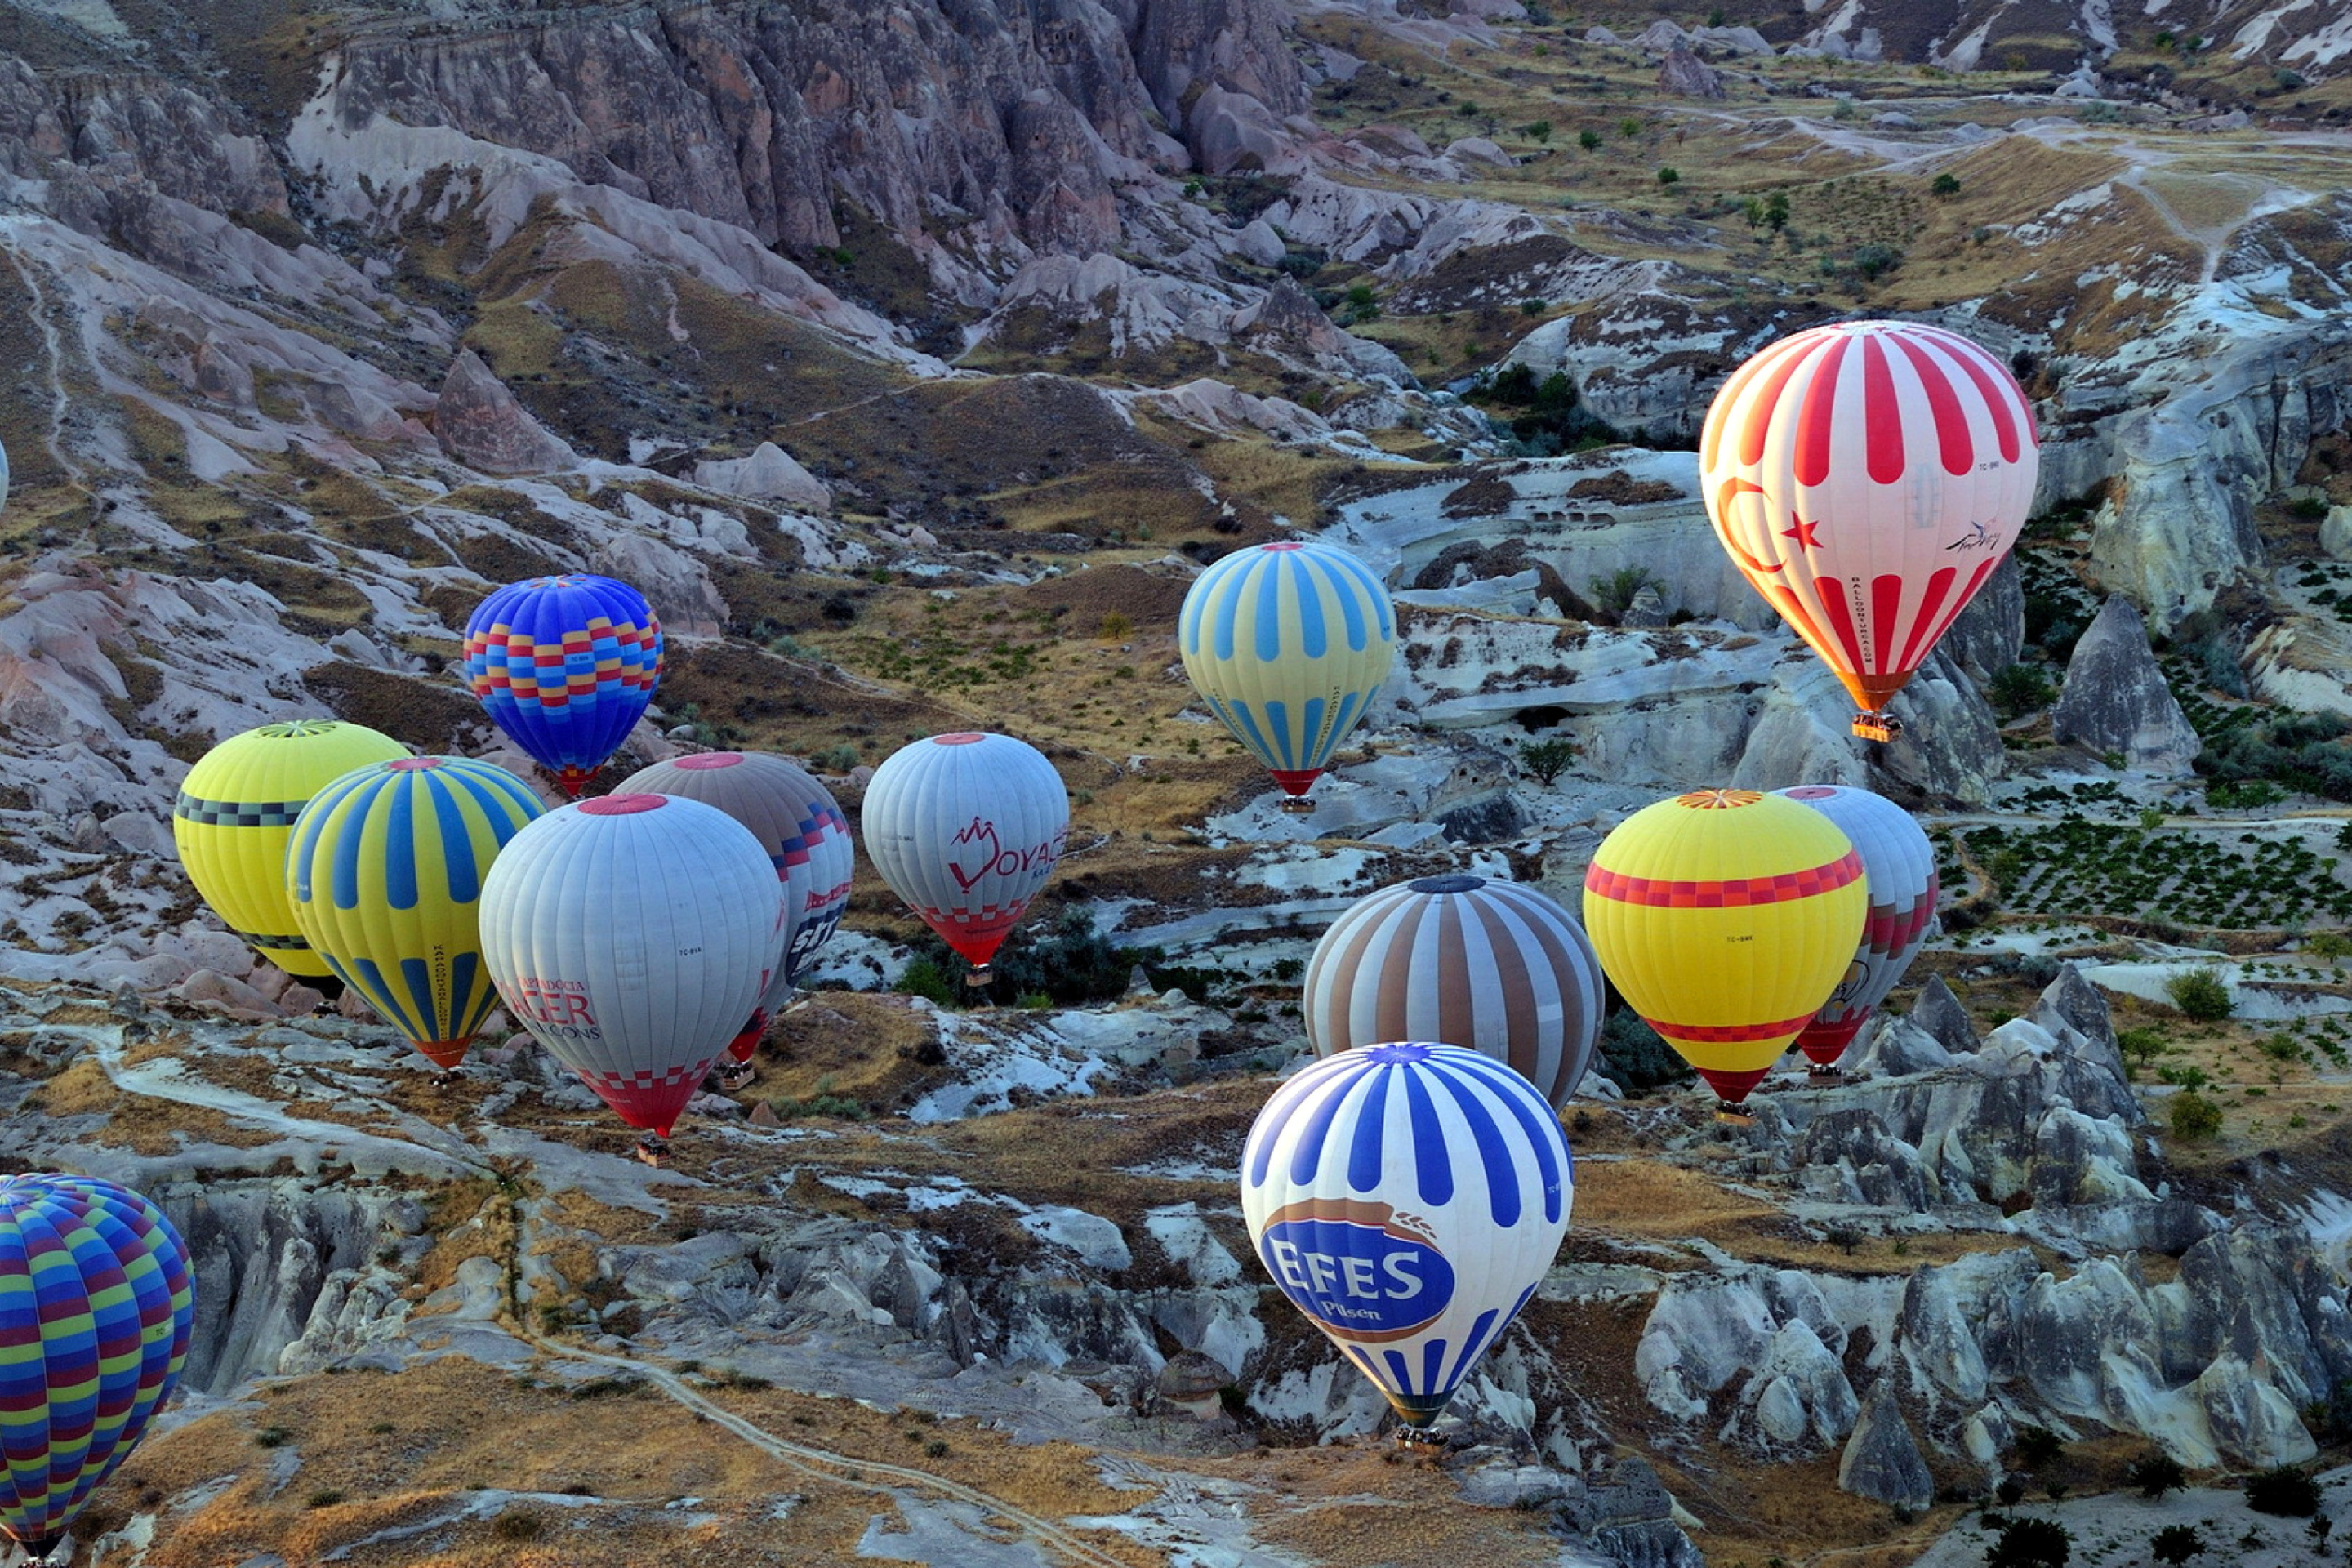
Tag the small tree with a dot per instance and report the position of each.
(2139, 1047)
(1547, 760)
(1539, 133)
(1946, 185)
(2156, 1473)
(2176, 1544)
(1670, 175)
(1776, 211)
(1629, 127)
(2195, 1119)
(1589, 139)
(2020, 689)
(1116, 626)
(2031, 1543)
(1615, 592)
(2287, 1491)
(2202, 994)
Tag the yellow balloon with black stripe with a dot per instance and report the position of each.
(385, 875)
(1725, 919)
(236, 809)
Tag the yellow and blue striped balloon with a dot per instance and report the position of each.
(97, 1306)
(385, 872)
(1288, 642)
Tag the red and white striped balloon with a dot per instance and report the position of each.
(1868, 478)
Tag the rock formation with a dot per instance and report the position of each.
(1685, 75)
(478, 423)
(2116, 698)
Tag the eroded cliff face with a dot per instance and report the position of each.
(992, 128)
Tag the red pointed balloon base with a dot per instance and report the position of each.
(1295, 782)
(445, 1053)
(1730, 1090)
(1823, 1044)
(573, 780)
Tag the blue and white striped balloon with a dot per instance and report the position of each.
(1407, 1198)
(1287, 643)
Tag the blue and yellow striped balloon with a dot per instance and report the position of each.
(96, 1303)
(385, 872)
(1288, 642)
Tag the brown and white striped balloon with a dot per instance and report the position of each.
(1468, 960)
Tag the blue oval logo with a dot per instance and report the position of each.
(1358, 1269)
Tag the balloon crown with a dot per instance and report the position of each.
(1283, 544)
(1458, 883)
(961, 738)
(1402, 1052)
(623, 804)
(1719, 799)
(1813, 792)
(699, 762)
(413, 765)
(295, 728)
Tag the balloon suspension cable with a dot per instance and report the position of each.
(1876, 725)
(653, 1149)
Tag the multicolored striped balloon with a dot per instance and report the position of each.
(1898, 864)
(565, 666)
(385, 872)
(966, 827)
(96, 1303)
(236, 810)
(1408, 1198)
(1473, 961)
(796, 820)
(1866, 477)
(1288, 643)
(633, 934)
(1725, 917)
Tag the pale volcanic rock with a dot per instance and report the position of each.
(768, 474)
(1881, 1461)
(478, 423)
(1685, 75)
(2116, 698)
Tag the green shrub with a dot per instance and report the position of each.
(926, 977)
(1670, 175)
(2139, 1047)
(1946, 185)
(2287, 1491)
(833, 759)
(1634, 1058)
(2156, 1473)
(518, 1527)
(1589, 139)
(1547, 760)
(2195, 1118)
(2038, 1448)
(2031, 1543)
(2176, 1544)
(325, 1496)
(1538, 131)
(2020, 689)
(2200, 993)
(1615, 592)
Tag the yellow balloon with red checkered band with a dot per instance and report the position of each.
(1725, 917)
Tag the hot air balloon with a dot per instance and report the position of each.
(385, 872)
(966, 827)
(1489, 965)
(1866, 477)
(565, 666)
(633, 934)
(4, 476)
(97, 1304)
(236, 809)
(1898, 866)
(1725, 917)
(1408, 1198)
(797, 822)
(1287, 643)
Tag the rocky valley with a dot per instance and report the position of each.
(914, 358)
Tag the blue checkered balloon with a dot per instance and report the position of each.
(1407, 1198)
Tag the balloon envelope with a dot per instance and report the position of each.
(633, 934)
(1898, 866)
(1407, 1198)
(1866, 477)
(97, 1304)
(385, 872)
(966, 827)
(1288, 643)
(1470, 961)
(1725, 917)
(236, 809)
(797, 822)
(565, 666)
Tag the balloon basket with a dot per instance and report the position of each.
(450, 1078)
(1872, 726)
(980, 977)
(1421, 1439)
(1819, 1076)
(653, 1149)
(1296, 805)
(1734, 1115)
(731, 1076)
